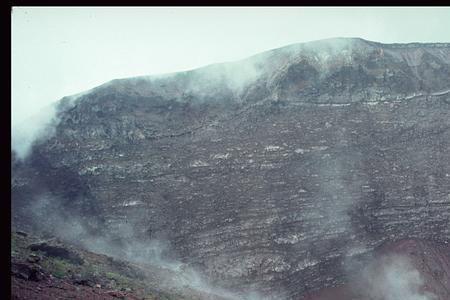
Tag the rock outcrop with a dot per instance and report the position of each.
(267, 173)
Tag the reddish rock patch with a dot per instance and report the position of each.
(430, 259)
(52, 289)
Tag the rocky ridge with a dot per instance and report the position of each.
(266, 173)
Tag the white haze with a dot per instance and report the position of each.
(393, 277)
(37, 127)
(48, 214)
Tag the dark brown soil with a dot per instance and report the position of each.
(51, 289)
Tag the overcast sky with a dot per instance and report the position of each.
(65, 50)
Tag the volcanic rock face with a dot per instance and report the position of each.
(270, 172)
(406, 269)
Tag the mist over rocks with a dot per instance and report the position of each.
(266, 173)
(402, 270)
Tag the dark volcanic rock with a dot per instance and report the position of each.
(269, 172)
(27, 271)
(57, 251)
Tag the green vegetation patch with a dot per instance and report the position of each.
(71, 264)
(57, 267)
(121, 281)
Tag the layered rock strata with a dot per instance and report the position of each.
(268, 173)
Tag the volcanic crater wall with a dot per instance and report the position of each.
(328, 150)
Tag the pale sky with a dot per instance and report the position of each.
(61, 51)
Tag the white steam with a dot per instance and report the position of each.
(40, 126)
(235, 75)
(203, 82)
(393, 277)
(122, 243)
